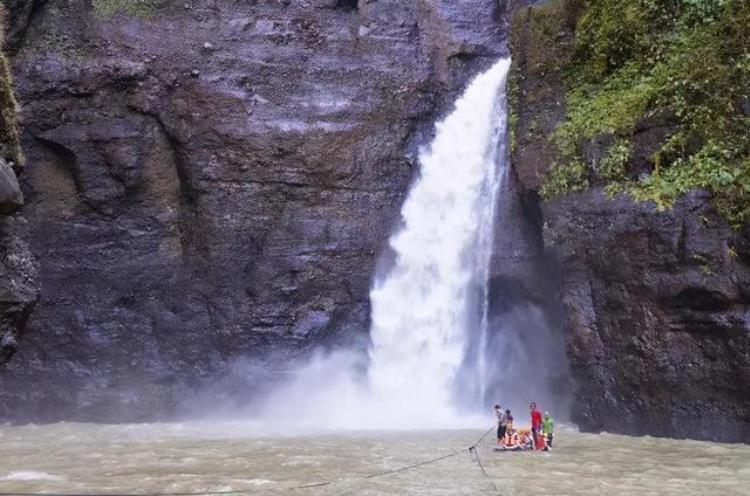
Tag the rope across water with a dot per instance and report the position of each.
(471, 450)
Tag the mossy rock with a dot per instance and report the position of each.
(633, 60)
(10, 147)
(541, 43)
(132, 8)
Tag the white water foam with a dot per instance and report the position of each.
(28, 475)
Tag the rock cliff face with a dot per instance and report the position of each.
(208, 181)
(657, 304)
(209, 184)
(18, 289)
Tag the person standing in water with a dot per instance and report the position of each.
(540, 443)
(501, 424)
(548, 425)
(536, 422)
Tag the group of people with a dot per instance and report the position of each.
(538, 438)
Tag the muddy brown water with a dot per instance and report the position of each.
(192, 457)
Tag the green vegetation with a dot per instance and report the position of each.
(9, 140)
(568, 178)
(685, 62)
(133, 8)
(613, 166)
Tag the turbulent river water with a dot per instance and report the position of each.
(190, 457)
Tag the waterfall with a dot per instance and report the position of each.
(429, 310)
(428, 306)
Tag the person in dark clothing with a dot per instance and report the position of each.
(508, 420)
(501, 424)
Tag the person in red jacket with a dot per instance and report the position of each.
(540, 443)
(536, 422)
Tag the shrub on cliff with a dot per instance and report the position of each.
(135, 8)
(686, 61)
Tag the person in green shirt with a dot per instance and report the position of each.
(548, 425)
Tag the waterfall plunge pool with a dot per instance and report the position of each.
(203, 456)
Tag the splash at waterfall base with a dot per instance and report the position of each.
(436, 360)
(426, 303)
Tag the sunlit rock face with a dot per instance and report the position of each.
(210, 183)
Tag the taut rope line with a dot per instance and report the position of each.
(471, 450)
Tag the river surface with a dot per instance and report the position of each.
(190, 457)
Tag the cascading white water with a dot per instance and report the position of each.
(429, 310)
(427, 306)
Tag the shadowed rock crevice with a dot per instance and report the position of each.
(64, 160)
(346, 4)
(21, 13)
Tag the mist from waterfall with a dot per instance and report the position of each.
(429, 308)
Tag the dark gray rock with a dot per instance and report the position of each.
(193, 208)
(10, 192)
(657, 313)
(18, 285)
(20, 14)
(525, 315)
